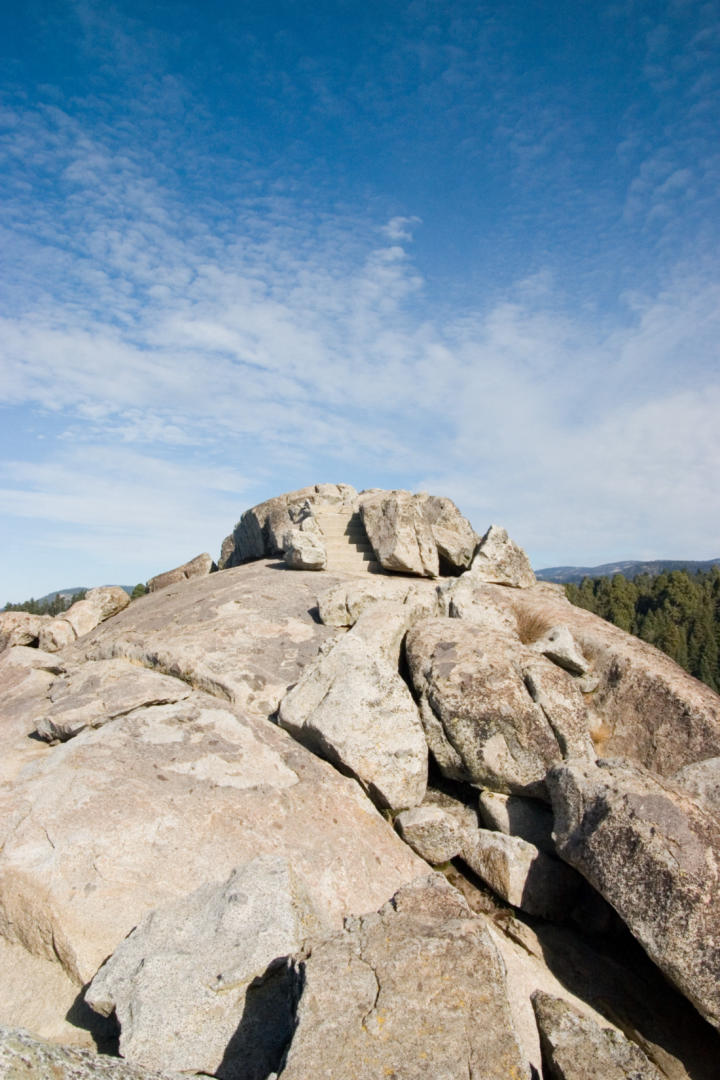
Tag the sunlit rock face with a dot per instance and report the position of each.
(220, 805)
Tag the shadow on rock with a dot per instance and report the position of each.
(104, 1030)
(259, 1043)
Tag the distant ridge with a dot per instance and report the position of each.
(563, 574)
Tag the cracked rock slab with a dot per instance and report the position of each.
(353, 708)
(575, 1047)
(192, 982)
(99, 692)
(98, 831)
(654, 854)
(416, 990)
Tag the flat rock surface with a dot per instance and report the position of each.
(244, 634)
(654, 854)
(702, 781)
(123, 818)
(417, 990)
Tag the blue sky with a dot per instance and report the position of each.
(458, 247)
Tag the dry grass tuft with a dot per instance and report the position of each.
(532, 624)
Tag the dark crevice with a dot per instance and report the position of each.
(104, 1030)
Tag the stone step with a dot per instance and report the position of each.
(346, 544)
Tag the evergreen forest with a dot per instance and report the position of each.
(49, 605)
(677, 611)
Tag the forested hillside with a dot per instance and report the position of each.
(676, 611)
(48, 605)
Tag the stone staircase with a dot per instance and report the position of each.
(348, 548)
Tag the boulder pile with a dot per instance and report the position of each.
(395, 812)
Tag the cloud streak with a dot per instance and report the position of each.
(185, 349)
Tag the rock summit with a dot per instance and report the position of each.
(358, 799)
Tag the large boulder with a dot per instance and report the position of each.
(261, 530)
(654, 854)
(643, 706)
(20, 628)
(454, 536)
(197, 567)
(399, 533)
(417, 990)
(498, 559)
(82, 617)
(494, 713)
(304, 546)
(186, 984)
(577, 1048)
(353, 707)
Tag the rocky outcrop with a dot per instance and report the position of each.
(197, 567)
(82, 617)
(400, 535)
(194, 970)
(642, 706)
(414, 991)
(353, 708)
(654, 854)
(577, 1048)
(498, 559)
(261, 530)
(20, 628)
(494, 713)
(162, 837)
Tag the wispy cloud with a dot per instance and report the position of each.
(191, 330)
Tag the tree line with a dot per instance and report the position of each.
(677, 611)
(59, 602)
(53, 605)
